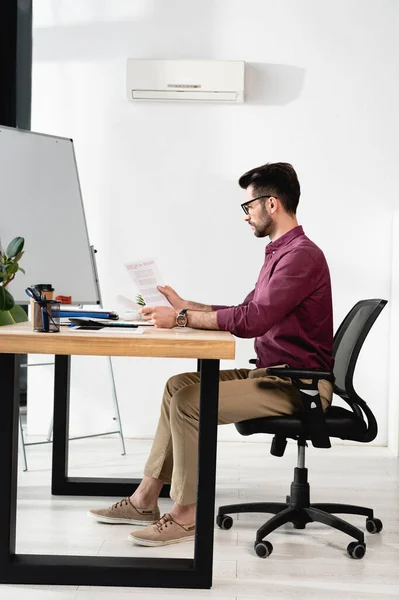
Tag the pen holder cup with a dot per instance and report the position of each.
(46, 316)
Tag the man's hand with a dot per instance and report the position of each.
(173, 297)
(161, 316)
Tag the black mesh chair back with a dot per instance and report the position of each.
(349, 340)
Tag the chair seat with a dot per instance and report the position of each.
(341, 423)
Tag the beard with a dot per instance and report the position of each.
(264, 227)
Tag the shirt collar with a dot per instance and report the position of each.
(284, 239)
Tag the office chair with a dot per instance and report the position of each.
(318, 427)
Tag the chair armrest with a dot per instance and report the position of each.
(300, 373)
(252, 361)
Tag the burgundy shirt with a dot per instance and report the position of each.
(289, 313)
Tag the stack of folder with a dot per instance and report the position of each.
(67, 312)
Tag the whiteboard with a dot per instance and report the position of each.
(41, 201)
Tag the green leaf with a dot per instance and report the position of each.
(15, 315)
(2, 277)
(15, 247)
(6, 300)
(6, 318)
(22, 270)
(19, 256)
(9, 300)
(18, 314)
(2, 298)
(13, 268)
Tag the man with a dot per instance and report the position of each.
(289, 313)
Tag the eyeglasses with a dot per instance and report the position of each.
(245, 206)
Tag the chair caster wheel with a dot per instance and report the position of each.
(224, 521)
(356, 550)
(373, 525)
(288, 499)
(263, 549)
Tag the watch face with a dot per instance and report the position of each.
(181, 320)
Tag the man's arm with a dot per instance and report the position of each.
(214, 307)
(202, 319)
(203, 316)
(199, 316)
(246, 301)
(197, 306)
(178, 303)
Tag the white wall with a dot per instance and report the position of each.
(160, 179)
(393, 407)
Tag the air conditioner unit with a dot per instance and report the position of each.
(198, 80)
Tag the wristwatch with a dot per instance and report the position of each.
(181, 319)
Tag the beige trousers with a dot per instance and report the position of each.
(174, 453)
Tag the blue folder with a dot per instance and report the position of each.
(89, 314)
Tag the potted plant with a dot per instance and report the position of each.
(9, 267)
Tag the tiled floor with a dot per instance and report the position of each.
(309, 564)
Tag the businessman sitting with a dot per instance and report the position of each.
(289, 313)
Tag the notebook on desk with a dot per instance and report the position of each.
(102, 323)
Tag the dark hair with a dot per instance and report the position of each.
(277, 179)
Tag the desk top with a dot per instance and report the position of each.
(163, 343)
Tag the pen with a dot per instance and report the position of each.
(44, 318)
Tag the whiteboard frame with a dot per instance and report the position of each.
(97, 298)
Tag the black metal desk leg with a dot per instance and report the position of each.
(62, 373)
(207, 442)
(9, 369)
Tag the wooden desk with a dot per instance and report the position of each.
(207, 346)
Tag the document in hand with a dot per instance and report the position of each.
(147, 277)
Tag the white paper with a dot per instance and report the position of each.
(146, 276)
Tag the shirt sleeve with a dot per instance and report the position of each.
(294, 278)
(246, 301)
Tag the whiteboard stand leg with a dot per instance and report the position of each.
(116, 405)
(117, 419)
(21, 430)
(111, 370)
